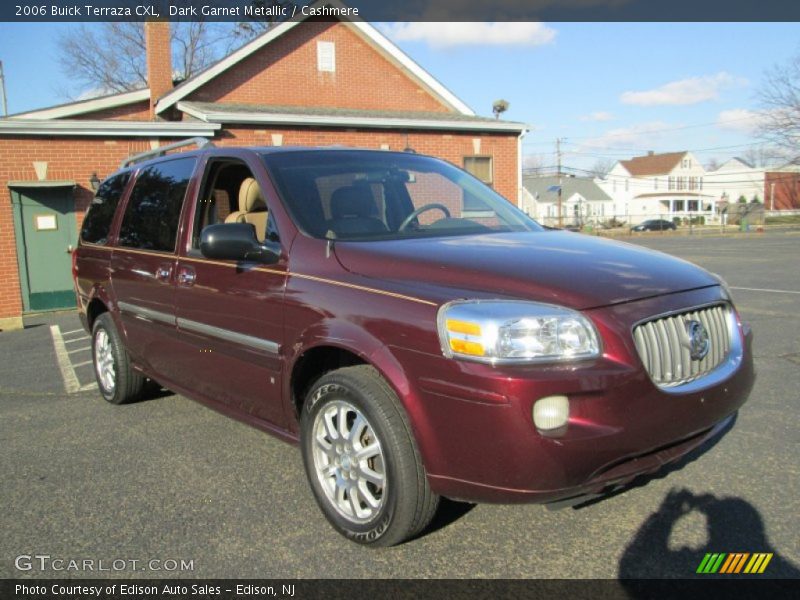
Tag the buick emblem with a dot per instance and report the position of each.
(697, 340)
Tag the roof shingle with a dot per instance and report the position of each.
(653, 164)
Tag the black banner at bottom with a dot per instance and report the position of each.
(375, 589)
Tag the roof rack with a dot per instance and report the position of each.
(200, 142)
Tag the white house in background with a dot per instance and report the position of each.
(659, 186)
(736, 178)
(582, 200)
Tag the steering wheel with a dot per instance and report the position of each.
(425, 208)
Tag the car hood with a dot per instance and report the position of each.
(564, 268)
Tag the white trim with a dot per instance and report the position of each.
(107, 128)
(363, 27)
(85, 106)
(349, 121)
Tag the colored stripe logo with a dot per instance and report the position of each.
(734, 563)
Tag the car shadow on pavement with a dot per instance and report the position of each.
(449, 511)
(733, 525)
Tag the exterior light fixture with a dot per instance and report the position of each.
(94, 182)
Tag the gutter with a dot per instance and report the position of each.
(107, 128)
(253, 118)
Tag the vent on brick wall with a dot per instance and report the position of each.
(326, 57)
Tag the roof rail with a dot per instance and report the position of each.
(200, 142)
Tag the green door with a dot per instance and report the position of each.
(44, 223)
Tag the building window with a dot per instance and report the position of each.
(692, 205)
(480, 167)
(670, 183)
(678, 206)
(326, 57)
(701, 183)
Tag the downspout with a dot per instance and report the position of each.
(519, 169)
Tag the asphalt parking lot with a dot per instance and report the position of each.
(169, 479)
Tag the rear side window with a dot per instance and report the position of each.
(151, 217)
(97, 223)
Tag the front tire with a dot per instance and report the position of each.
(361, 459)
(117, 380)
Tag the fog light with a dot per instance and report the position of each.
(551, 412)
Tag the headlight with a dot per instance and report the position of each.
(498, 331)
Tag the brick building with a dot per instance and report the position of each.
(314, 82)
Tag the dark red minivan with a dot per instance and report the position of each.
(412, 330)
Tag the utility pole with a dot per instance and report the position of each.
(558, 163)
(3, 90)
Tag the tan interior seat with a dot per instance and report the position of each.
(252, 208)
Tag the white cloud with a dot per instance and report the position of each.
(640, 135)
(741, 120)
(598, 116)
(441, 35)
(684, 91)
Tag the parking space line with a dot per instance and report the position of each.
(73, 340)
(747, 289)
(71, 383)
(82, 364)
(79, 350)
(71, 331)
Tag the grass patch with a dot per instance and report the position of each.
(783, 220)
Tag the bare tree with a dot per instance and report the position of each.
(764, 156)
(712, 164)
(602, 167)
(780, 98)
(106, 58)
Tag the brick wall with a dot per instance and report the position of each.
(781, 191)
(138, 111)
(284, 73)
(68, 159)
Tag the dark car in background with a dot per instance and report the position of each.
(654, 225)
(411, 330)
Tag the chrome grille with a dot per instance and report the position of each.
(663, 345)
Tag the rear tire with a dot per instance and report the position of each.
(116, 379)
(362, 461)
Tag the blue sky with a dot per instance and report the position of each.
(613, 90)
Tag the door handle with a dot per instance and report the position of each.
(70, 249)
(186, 276)
(163, 273)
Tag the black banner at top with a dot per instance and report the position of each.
(404, 10)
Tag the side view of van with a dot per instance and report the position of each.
(411, 330)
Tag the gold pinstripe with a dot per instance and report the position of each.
(276, 272)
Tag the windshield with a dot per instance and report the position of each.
(367, 195)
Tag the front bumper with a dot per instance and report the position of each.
(479, 443)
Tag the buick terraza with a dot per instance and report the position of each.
(415, 333)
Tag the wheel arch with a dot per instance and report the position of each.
(335, 345)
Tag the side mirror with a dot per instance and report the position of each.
(237, 241)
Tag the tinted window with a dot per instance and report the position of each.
(361, 195)
(97, 223)
(151, 217)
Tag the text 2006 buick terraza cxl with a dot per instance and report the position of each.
(415, 333)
